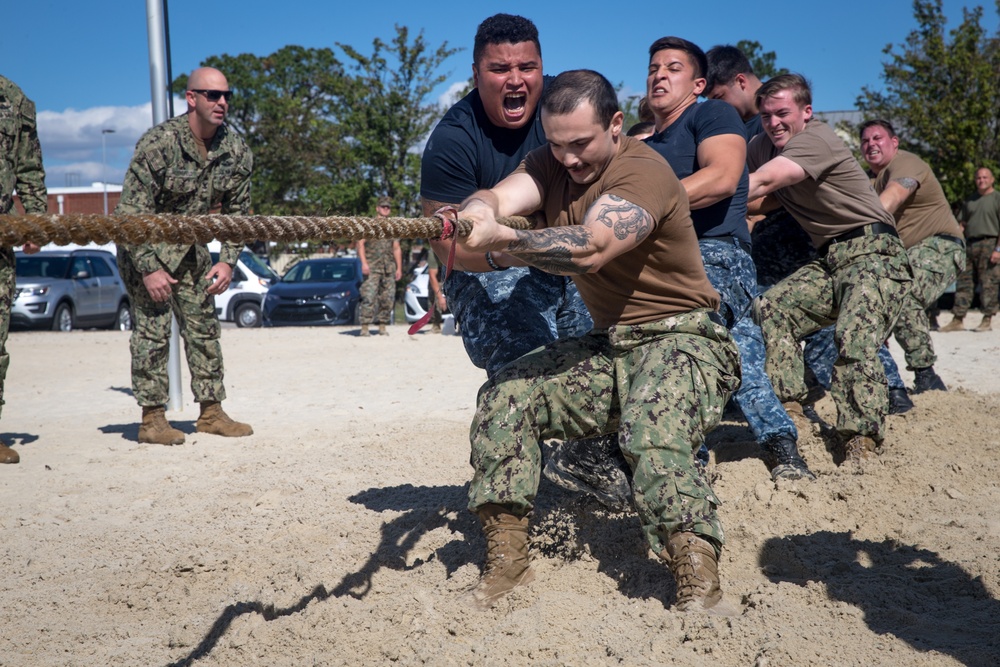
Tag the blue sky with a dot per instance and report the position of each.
(85, 64)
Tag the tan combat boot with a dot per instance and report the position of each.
(507, 562)
(986, 324)
(858, 449)
(382, 330)
(214, 420)
(955, 325)
(8, 455)
(695, 567)
(156, 430)
(365, 331)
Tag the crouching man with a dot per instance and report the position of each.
(658, 367)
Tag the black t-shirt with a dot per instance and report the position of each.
(467, 152)
(753, 127)
(679, 142)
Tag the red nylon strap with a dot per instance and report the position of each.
(449, 217)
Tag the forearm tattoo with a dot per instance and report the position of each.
(907, 182)
(571, 250)
(626, 219)
(551, 249)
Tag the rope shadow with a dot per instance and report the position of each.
(934, 604)
(424, 509)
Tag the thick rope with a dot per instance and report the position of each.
(186, 229)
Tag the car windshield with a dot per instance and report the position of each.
(253, 263)
(41, 266)
(319, 272)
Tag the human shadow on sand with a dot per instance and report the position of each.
(911, 593)
(564, 525)
(131, 431)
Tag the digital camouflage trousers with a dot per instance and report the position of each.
(661, 386)
(150, 341)
(860, 286)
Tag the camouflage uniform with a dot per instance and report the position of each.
(858, 285)
(731, 271)
(978, 267)
(781, 247)
(168, 175)
(936, 261)
(527, 308)
(20, 169)
(661, 386)
(378, 292)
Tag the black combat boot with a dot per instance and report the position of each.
(925, 379)
(899, 401)
(784, 460)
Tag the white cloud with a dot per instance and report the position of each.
(450, 96)
(71, 141)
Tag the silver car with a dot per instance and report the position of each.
(64, 290)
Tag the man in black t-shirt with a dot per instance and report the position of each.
(503, 308)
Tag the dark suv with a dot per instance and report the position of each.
(69, 289)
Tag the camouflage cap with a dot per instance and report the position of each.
(385, 201)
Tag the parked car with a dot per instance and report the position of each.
(315, 292)
(69, 289)
(416, 298)
(416, 294)
(242, 302)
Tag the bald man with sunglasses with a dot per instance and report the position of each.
(194, 165)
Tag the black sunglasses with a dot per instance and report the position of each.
(214, 95)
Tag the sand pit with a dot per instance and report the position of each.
(337, 534)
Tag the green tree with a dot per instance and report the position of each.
(763, 62)
(387, 114)
(940, 93)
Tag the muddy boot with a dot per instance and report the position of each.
(784, 460)
(899, 401)
(156, 430)
(796, 411)
(695, 567)
(214, 420)
(382, 330)
(925, 379)
(986, 324)
(8, 455)
(507, 562)
(956, 324)
(595, 466)
(858, 449)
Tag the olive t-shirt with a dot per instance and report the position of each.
(981, 215)
(926, 212)
(664, 275)
(836, 197)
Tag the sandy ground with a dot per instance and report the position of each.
(337, 534)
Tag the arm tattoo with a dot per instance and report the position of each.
(551, 249)
(907, 182)
(625, 218)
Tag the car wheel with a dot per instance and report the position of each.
(63, 320)
(247, 315)
(123, 321)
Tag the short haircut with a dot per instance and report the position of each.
(564, 94)
(642, 127)
(694, 52)
(801, 91)
(880, 122)
(504, 29)
(724, 63)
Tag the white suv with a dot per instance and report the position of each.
(251, 279)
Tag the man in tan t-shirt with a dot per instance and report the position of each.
(933, 240)
(614, 217)
(859, 279)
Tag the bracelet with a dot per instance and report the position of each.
(493, 264)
